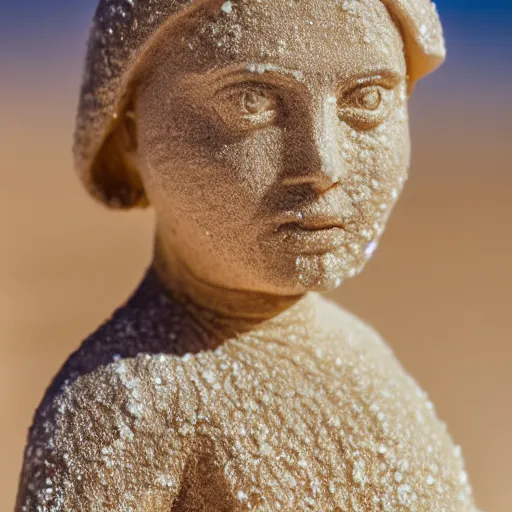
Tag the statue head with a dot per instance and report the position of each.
(270, 136)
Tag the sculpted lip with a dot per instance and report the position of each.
(310, 226)
(311, 223)
(311, 234)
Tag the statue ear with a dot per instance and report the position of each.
(115, 171)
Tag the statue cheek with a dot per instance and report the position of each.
(253, 163)
(377, 164)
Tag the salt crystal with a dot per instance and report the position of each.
(370, 249)
(227, 7)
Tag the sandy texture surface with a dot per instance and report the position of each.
(438, 288)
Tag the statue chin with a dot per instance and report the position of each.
(312, 273)
(325, 272)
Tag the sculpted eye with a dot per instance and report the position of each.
(366, 107)
(368, 98)
(246, 107)
(256, 102)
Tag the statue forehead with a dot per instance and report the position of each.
(347, 37)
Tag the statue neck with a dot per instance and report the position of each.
(225, 313)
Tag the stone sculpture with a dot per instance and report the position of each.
(271, 139)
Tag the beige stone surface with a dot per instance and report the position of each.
(437, 290)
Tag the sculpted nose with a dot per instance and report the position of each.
(317, 155)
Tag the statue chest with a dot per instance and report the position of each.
(327, 427)
(290, 431)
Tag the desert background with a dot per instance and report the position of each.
(439, 287)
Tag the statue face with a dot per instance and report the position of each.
(272, 140)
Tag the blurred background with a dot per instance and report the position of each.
(438, 288)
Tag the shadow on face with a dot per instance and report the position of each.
(272, 140)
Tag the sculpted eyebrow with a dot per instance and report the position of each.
(387, 76)
(256, 70)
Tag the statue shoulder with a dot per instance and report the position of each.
(408, 444)
(90, 429)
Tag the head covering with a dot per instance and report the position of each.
(123, 29)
